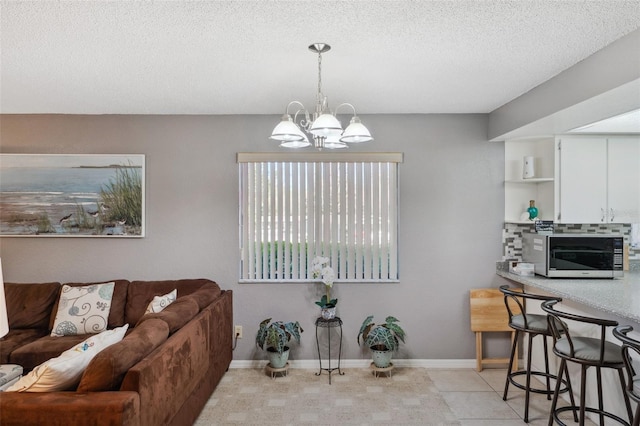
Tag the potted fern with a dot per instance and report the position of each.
(274, 336)
(383, 339)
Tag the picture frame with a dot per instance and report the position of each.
(72, 195)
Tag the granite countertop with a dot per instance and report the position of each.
(618, 296)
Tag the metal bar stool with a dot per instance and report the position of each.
(534, 325)
(588, 352)
(633, 383)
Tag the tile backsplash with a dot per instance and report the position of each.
(512, 236)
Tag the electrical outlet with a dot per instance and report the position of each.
(238, 331)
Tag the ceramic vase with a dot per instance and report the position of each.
(278, 360)
(532, 210)
(381, 359)
(328, 313)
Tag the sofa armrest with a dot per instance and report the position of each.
(69, 408)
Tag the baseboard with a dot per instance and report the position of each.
(363, 363)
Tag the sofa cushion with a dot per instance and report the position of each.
(106, 371)
(83, 309)
(175, 315)
(64, 372)
(118, 303)
(140, 293)
(17, 338)
(35, 353)
(30, 304)
(206, 294)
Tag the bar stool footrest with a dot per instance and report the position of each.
(539, 374)
(587, 410)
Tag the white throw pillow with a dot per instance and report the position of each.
(64, 371)
(83, 310)
(160, 302)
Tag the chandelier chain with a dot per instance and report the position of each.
(320, 100)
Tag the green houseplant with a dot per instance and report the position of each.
(274, 336)
(325, 303)
(383, 339)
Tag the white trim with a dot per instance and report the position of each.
(363, 363)
(319, 157)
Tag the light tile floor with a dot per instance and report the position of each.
(420, 397)
(476, 399)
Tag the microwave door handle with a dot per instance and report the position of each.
(611, 215)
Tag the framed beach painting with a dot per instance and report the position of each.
(60, 195)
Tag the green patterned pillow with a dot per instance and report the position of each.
(83, 310)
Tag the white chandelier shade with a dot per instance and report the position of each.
(326, 125)
(323, 126)
(356, 132)
(295, 144)
(289, 134)
(334, 142)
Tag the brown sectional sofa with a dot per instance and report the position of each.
(161, 373)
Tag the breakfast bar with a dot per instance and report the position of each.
(618, 297)
(615, 299)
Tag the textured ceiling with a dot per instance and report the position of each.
(251, 57)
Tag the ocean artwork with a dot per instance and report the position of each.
(72, 195)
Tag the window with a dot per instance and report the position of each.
(294, 206)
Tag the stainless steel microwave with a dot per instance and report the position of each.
(574, 255)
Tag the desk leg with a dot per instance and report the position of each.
(478, 351)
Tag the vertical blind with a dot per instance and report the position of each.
(295, 206)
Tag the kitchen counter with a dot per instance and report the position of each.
(618, 296)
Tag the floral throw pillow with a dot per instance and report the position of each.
(83, 310)
(160, 302)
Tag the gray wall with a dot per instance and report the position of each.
(451, 208)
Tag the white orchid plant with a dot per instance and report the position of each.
(320, 269)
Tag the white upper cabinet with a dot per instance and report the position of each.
(598, 179)
(582, 183)
(623, 177)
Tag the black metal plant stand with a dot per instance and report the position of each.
(329, 324)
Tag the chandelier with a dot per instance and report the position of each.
(323, 126)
